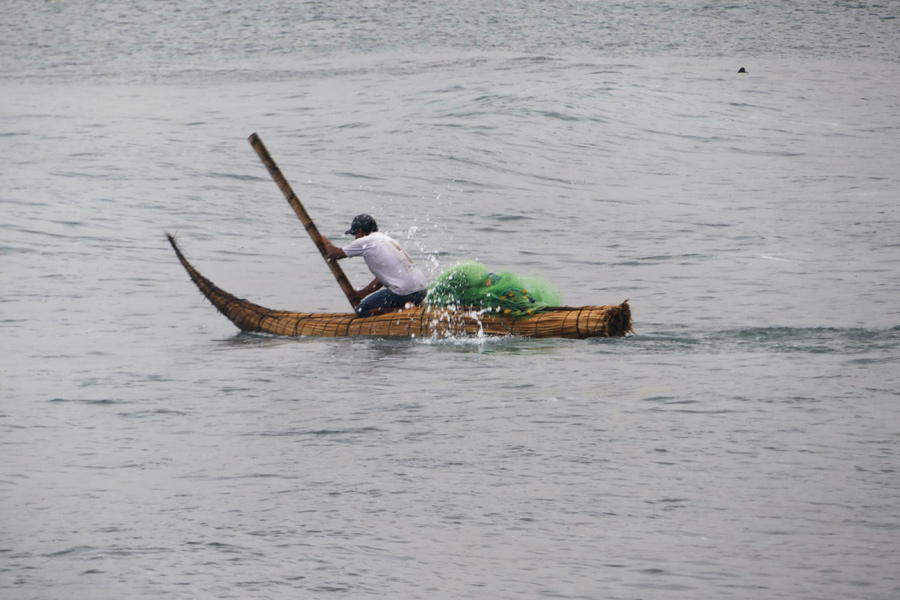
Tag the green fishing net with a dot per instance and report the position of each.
(470, 284)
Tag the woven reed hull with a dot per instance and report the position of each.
(563, 322)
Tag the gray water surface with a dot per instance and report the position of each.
(742, 444)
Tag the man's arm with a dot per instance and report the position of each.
(372, 287)
(335, 253)
(332, 251)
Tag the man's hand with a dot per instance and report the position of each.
(374, 286)
(331, 251)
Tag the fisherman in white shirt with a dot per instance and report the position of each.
(402, 281)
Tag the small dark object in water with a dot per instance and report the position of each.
(742, 70)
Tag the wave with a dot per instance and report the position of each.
(804, 340)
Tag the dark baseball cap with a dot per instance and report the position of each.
(364, 223)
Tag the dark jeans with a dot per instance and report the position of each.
(385, 298)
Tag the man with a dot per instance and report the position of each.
(394, 270)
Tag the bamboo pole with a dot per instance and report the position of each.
(304, 217)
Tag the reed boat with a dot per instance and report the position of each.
(426, 321)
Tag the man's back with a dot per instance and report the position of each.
(389, 262)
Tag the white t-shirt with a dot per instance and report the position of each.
(390, 264)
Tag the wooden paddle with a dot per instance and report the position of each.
(304, 217)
